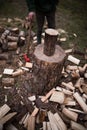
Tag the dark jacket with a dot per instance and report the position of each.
(42, 5)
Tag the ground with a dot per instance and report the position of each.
(70, 16)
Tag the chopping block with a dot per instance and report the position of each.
(49, 59)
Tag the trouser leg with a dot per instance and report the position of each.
(40, 17)
(51, 19)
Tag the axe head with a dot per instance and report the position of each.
(41, 105)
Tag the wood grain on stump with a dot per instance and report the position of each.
(50, 41)
(47, 69)
(48, 61)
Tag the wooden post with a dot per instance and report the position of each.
(50, 41)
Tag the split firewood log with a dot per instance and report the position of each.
(17, 73)
(80, 101)
(73, 59)
(44, 125)
(3, 110)
(12, 45)
(8, 81)
(11, 127)
(70, 114)
(77, 126)
(31, 119)
(57, 97)
(78, 84)
(56, 121)
(4, 56)
(69, 86)
(48, 126)
(12, 38)
(4, 119)
(65, 91)
(14, 30)
(52, 121)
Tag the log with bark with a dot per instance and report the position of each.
(50, 41)
(8, 81)
(47, 67)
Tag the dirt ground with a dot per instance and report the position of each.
(16, 96)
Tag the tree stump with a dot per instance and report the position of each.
(48, 59)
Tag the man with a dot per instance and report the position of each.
(42, 9)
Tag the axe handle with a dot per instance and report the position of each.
(35, 111)
(48, 95)
(29, 39)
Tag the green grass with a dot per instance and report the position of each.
(13, 8)
(71, 16)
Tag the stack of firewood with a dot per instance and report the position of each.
(62, 108)
(65, 106)
(11, 39)
(5, 116)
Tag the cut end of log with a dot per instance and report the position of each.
(50, 41)
(58, 56)
(51, 32)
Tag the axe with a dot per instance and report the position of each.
(31, 119)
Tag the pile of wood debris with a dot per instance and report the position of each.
(62, 108)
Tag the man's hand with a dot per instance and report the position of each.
(31, 16)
